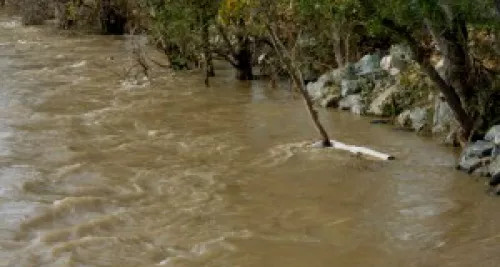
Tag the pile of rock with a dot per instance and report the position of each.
(482, 157)
(390, 86)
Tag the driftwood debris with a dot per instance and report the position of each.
(359, 150)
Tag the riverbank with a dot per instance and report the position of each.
(392, 88)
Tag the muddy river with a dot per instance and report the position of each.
(99, 167)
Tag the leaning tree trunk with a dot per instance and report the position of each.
(451, 94)
(459, 70)
(452, 42)
(456, 83)
(298, 81)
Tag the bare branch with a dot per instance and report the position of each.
(226, 40)
(228, 58)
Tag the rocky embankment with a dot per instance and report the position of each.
(482, 158)
(393, 88)
(390, 87)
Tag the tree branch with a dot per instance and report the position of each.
(226, 57)
(226, 40)
(423, 58)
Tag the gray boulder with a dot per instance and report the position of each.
(493, 134)
(403, 119)
(381, 105)
(369, 64)
(315, 90)
(330, 101)
(480, 148)
(350, 87)
(398, 60)
(494, 167)
(443, 120)
(416, 118)
(419, 118)
(469, 164)
(473, 155)
(326, 88)
(353, 103)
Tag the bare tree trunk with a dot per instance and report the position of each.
(244, 69)
(341, 45)
(339, 54)
(238, 55)
(452, 43)
(422, 56)
(298, 81)
(112, 18)
(451, 96)
(347, 47)
(243, 54)
(460, 71)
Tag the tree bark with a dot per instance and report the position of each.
(298, 81)
(244, 68)
(339, 54)
(243, 54)
(239, 55)
(451, 95)
(112, 19)
(452, 42)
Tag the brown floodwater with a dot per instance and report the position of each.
(99, 167)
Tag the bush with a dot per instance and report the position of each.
(34, 12)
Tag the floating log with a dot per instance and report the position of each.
(359, 150)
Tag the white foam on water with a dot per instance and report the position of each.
(21, 41)
(129, 84)
(199, 250)
(10, 24)
(79, 80)
(79, 64)
(4, 146)
(280, 154)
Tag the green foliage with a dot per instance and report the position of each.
(178, 24)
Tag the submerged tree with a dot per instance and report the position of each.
(278, 23)
(189, 29)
